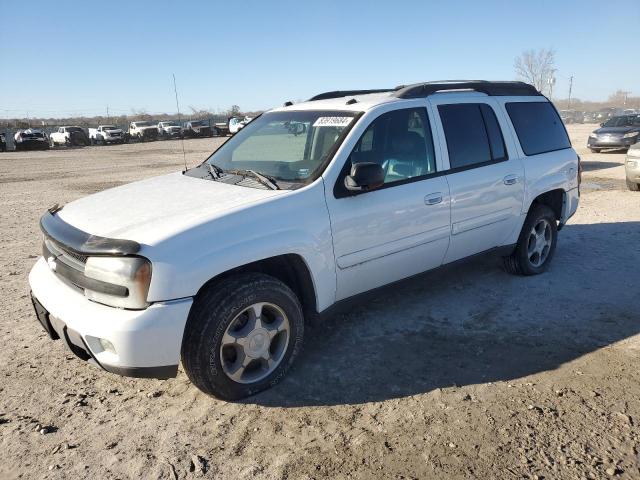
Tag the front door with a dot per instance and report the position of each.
(402, 228)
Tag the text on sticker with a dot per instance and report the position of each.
(332, 121)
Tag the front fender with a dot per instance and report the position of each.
(293, 223)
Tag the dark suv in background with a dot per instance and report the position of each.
(617, 132)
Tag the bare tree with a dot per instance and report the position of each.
(536, 68)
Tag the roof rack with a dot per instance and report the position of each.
(348, 93)
(418, 90)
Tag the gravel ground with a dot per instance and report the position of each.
(466, 372)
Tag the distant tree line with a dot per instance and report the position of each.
(123, 120)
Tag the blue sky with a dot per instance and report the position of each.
(62, 58)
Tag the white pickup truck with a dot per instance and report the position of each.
(69, 136)
(279, 224)
(169, 129)
(143, 131)
(105, 134)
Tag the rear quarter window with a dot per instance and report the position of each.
(538, 127)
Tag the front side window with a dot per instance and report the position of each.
(291, 146)
(473, 134)
(400, 141)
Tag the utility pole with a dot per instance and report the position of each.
(107, 113)
(570, 87)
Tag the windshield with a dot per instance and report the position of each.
(143, 124)
(288, 146)
(109, 127)
(199, 123)
(624, 121)
(169, 124)
(74, 129)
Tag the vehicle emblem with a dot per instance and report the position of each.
(51, 261)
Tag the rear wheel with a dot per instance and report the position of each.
(242, 336)
(633, 186)
(536, 244)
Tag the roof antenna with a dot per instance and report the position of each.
(184, 155)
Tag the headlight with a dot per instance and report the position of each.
(630, 134)
(133, 273)
(593, 135)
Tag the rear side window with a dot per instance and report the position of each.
(538, 127)
(473, 134)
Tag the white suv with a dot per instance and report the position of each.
(309, 204)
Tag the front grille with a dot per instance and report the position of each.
(58, 250)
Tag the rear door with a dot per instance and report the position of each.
(485, 176)
(402, 228)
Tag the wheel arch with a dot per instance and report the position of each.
(554, 199)
(291, 269)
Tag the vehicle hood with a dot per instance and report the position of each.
(151, 127)
(113, 130)
(616, 130)
(155, 209)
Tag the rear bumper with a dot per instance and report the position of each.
(146, 343)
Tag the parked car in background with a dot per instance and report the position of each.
(3, 143)
(143, 131)
(617, 132)
(632, 167)
(232, 126)
(197, 128)
(30, 139)
(274, 228)
(70, 136)
(105, 134)
(589, 117)
(169, 129)
(571, 116)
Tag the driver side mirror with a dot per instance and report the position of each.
(602, 124)
(364, 176)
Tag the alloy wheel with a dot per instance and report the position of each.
(254, 343)
(539, 242)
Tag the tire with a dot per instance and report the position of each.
(594, 150)
(532, 261)
(208, 357)
(633, 186)
(67, 142)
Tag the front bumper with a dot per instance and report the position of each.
(611, 142)
(146, 342)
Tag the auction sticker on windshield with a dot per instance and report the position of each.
(332, 121)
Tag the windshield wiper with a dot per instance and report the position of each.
(263, 179)
(214, 170)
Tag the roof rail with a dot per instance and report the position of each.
(418, 90)
(348, 93)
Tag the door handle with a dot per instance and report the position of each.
(433, 198)
(510, 179)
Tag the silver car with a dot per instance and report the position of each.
(632, 167)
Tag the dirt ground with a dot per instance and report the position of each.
(466, 372)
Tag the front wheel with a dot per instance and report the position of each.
(242, 335)
(536, 244)
(633, 186)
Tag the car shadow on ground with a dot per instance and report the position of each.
(472, 323)
(591, 165)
